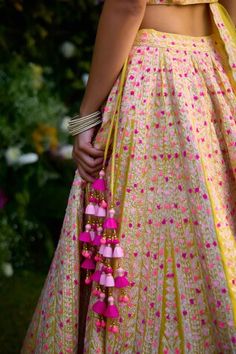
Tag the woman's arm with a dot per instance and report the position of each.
(118, 25)
(230, 6)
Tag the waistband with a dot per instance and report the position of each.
(154, 38)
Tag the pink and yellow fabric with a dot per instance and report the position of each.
(222, 21)
(174, 192)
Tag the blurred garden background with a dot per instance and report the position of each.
(46, 49)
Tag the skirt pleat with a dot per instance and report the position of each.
(175, 195)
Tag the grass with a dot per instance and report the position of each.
(18, 298)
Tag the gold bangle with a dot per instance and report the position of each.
(71, 128)
(85, 126)
(81, 121)
(78, 116)
(74, 126)
(82, 129)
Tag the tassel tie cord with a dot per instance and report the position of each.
(101, 245)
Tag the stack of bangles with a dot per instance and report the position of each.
(79, 124)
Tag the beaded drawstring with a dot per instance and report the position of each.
(101, 245)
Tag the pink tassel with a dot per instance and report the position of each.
(92, 234)
(99, 230)
(118, 252)
(100, 323)
(107, 252)
(115, 241)
(101, 249)
(97, 240)
(121, 282)
(113, 329)
(88, 280)
(109, 281)
(100, 184)
(111, 310)
(96, 207)
(99, 307)
(103, 240)
(103, 204)
(85, 236)
(88, 264)
(124, 299)
(98, 257)
(90, 209)
(108, 269)
(96, 276)
(92, 199)
(86, 253)
(102, 278)
(101, 212)
(96, 292)
(111, 222)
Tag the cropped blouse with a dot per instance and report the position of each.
(224, 26)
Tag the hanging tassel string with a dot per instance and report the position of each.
(115, 116)
(100, 241)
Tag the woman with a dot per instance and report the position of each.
(169, 117)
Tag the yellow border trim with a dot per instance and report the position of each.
(230, 271)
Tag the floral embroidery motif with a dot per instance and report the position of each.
(175, 198)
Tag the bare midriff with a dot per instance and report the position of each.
(192, 20)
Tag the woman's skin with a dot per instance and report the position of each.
(118, 25)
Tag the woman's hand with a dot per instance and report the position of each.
(89, 160)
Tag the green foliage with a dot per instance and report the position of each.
(30, 100)
(39, 31)
(46, 49)
(30, 109)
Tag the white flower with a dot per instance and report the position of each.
(25, 159)
(66, 151)
(85, 77)
(68, 49)
(64, 124)
(12, 155)
(7, 269)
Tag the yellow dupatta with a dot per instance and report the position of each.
(227, 32)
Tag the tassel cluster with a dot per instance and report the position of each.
(101, 249)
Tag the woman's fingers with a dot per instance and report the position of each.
(92, 171)
(85, 175)
(85, 170)
(90, 150)
(88, 160)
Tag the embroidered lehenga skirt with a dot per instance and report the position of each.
(175, 198)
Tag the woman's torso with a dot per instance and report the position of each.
(191, 19)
